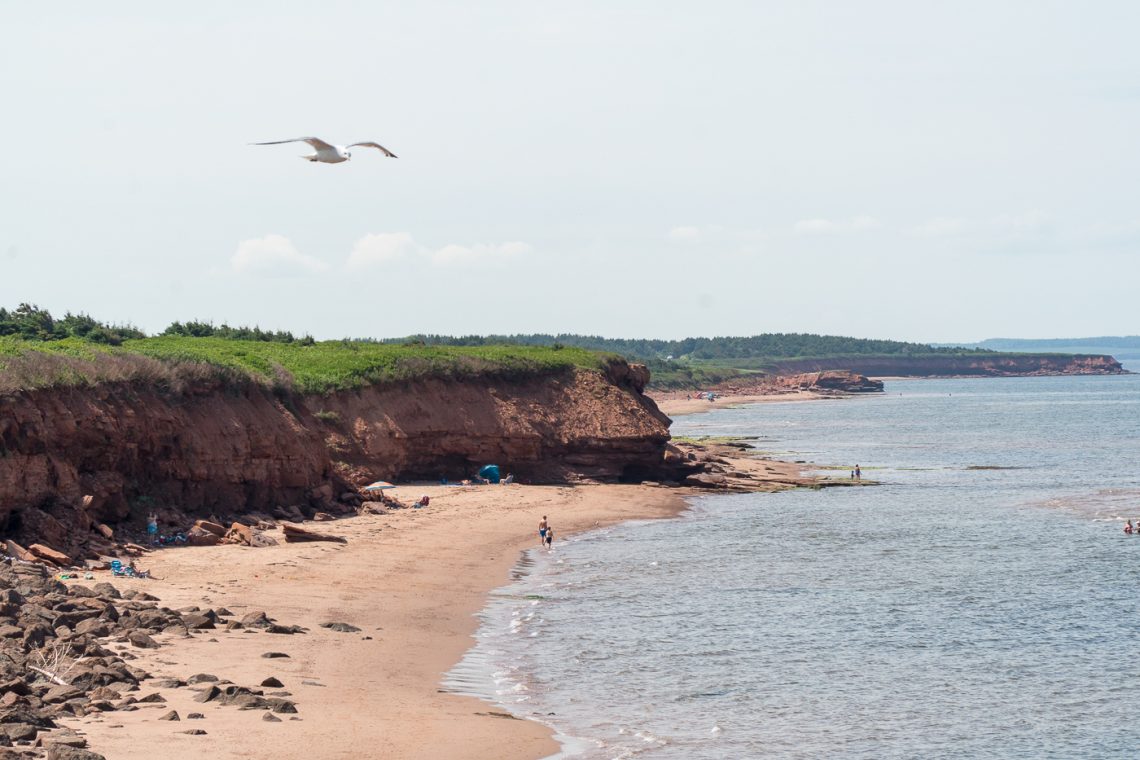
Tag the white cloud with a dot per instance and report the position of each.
(479, 253)
(274, 255)
(823, 226)
(941, 226)
(380, 248)
(865, 222)
(1029, 221)
(686, 234)
(815, 226)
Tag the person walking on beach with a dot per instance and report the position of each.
(858, 473)
(152, 529)
(549, 537)
(542, 528)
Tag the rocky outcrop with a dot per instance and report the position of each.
(830, 381)
(57, 660)
(967, 365)
(824, 382)
(222, 451)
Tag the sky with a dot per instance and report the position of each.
(937, 171)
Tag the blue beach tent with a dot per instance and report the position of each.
(490, 472)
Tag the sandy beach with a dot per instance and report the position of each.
(411, 580)
(677, 403)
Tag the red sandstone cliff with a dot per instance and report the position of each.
(833, 381)
(981, 365)
(225, 451)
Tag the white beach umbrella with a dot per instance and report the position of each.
(379, 485)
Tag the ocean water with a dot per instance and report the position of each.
(980, 602)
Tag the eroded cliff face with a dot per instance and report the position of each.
(206, 451)
(221, 451)
(580, 425)
(837, 382)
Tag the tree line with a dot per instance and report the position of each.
(30, 322)
(766, 345)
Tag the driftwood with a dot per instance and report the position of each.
(56, 661)
(296, 533)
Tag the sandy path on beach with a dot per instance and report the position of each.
(412, 580)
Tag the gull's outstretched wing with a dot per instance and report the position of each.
(316, 142)
(386, 152)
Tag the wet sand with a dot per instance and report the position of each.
(412, 580)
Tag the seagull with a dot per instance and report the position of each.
(327, 153)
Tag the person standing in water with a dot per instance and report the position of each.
(1128, 527)
(858, 473)
(542, 528)
(549, 537)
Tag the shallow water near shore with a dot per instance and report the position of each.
(981, 602)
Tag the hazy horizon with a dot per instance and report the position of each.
(887, 170)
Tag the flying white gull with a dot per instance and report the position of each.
(330, 154)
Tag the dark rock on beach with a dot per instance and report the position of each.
(342, 627)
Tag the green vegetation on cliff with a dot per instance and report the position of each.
(703, 362)
(176, 362)
(38, 351)
(32, 323)
(669, 375)
(764, 347)
(324, 366)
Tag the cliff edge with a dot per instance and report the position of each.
(224, 450)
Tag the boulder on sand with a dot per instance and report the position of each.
(210, 527)
(239, 534)
(50, 554)
(15, 550)
(295, 533)
(201, 537)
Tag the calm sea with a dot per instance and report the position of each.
(981, 602)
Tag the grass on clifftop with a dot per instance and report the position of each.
(174, 362)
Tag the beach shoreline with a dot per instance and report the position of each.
(412, 581)
(680, 403)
